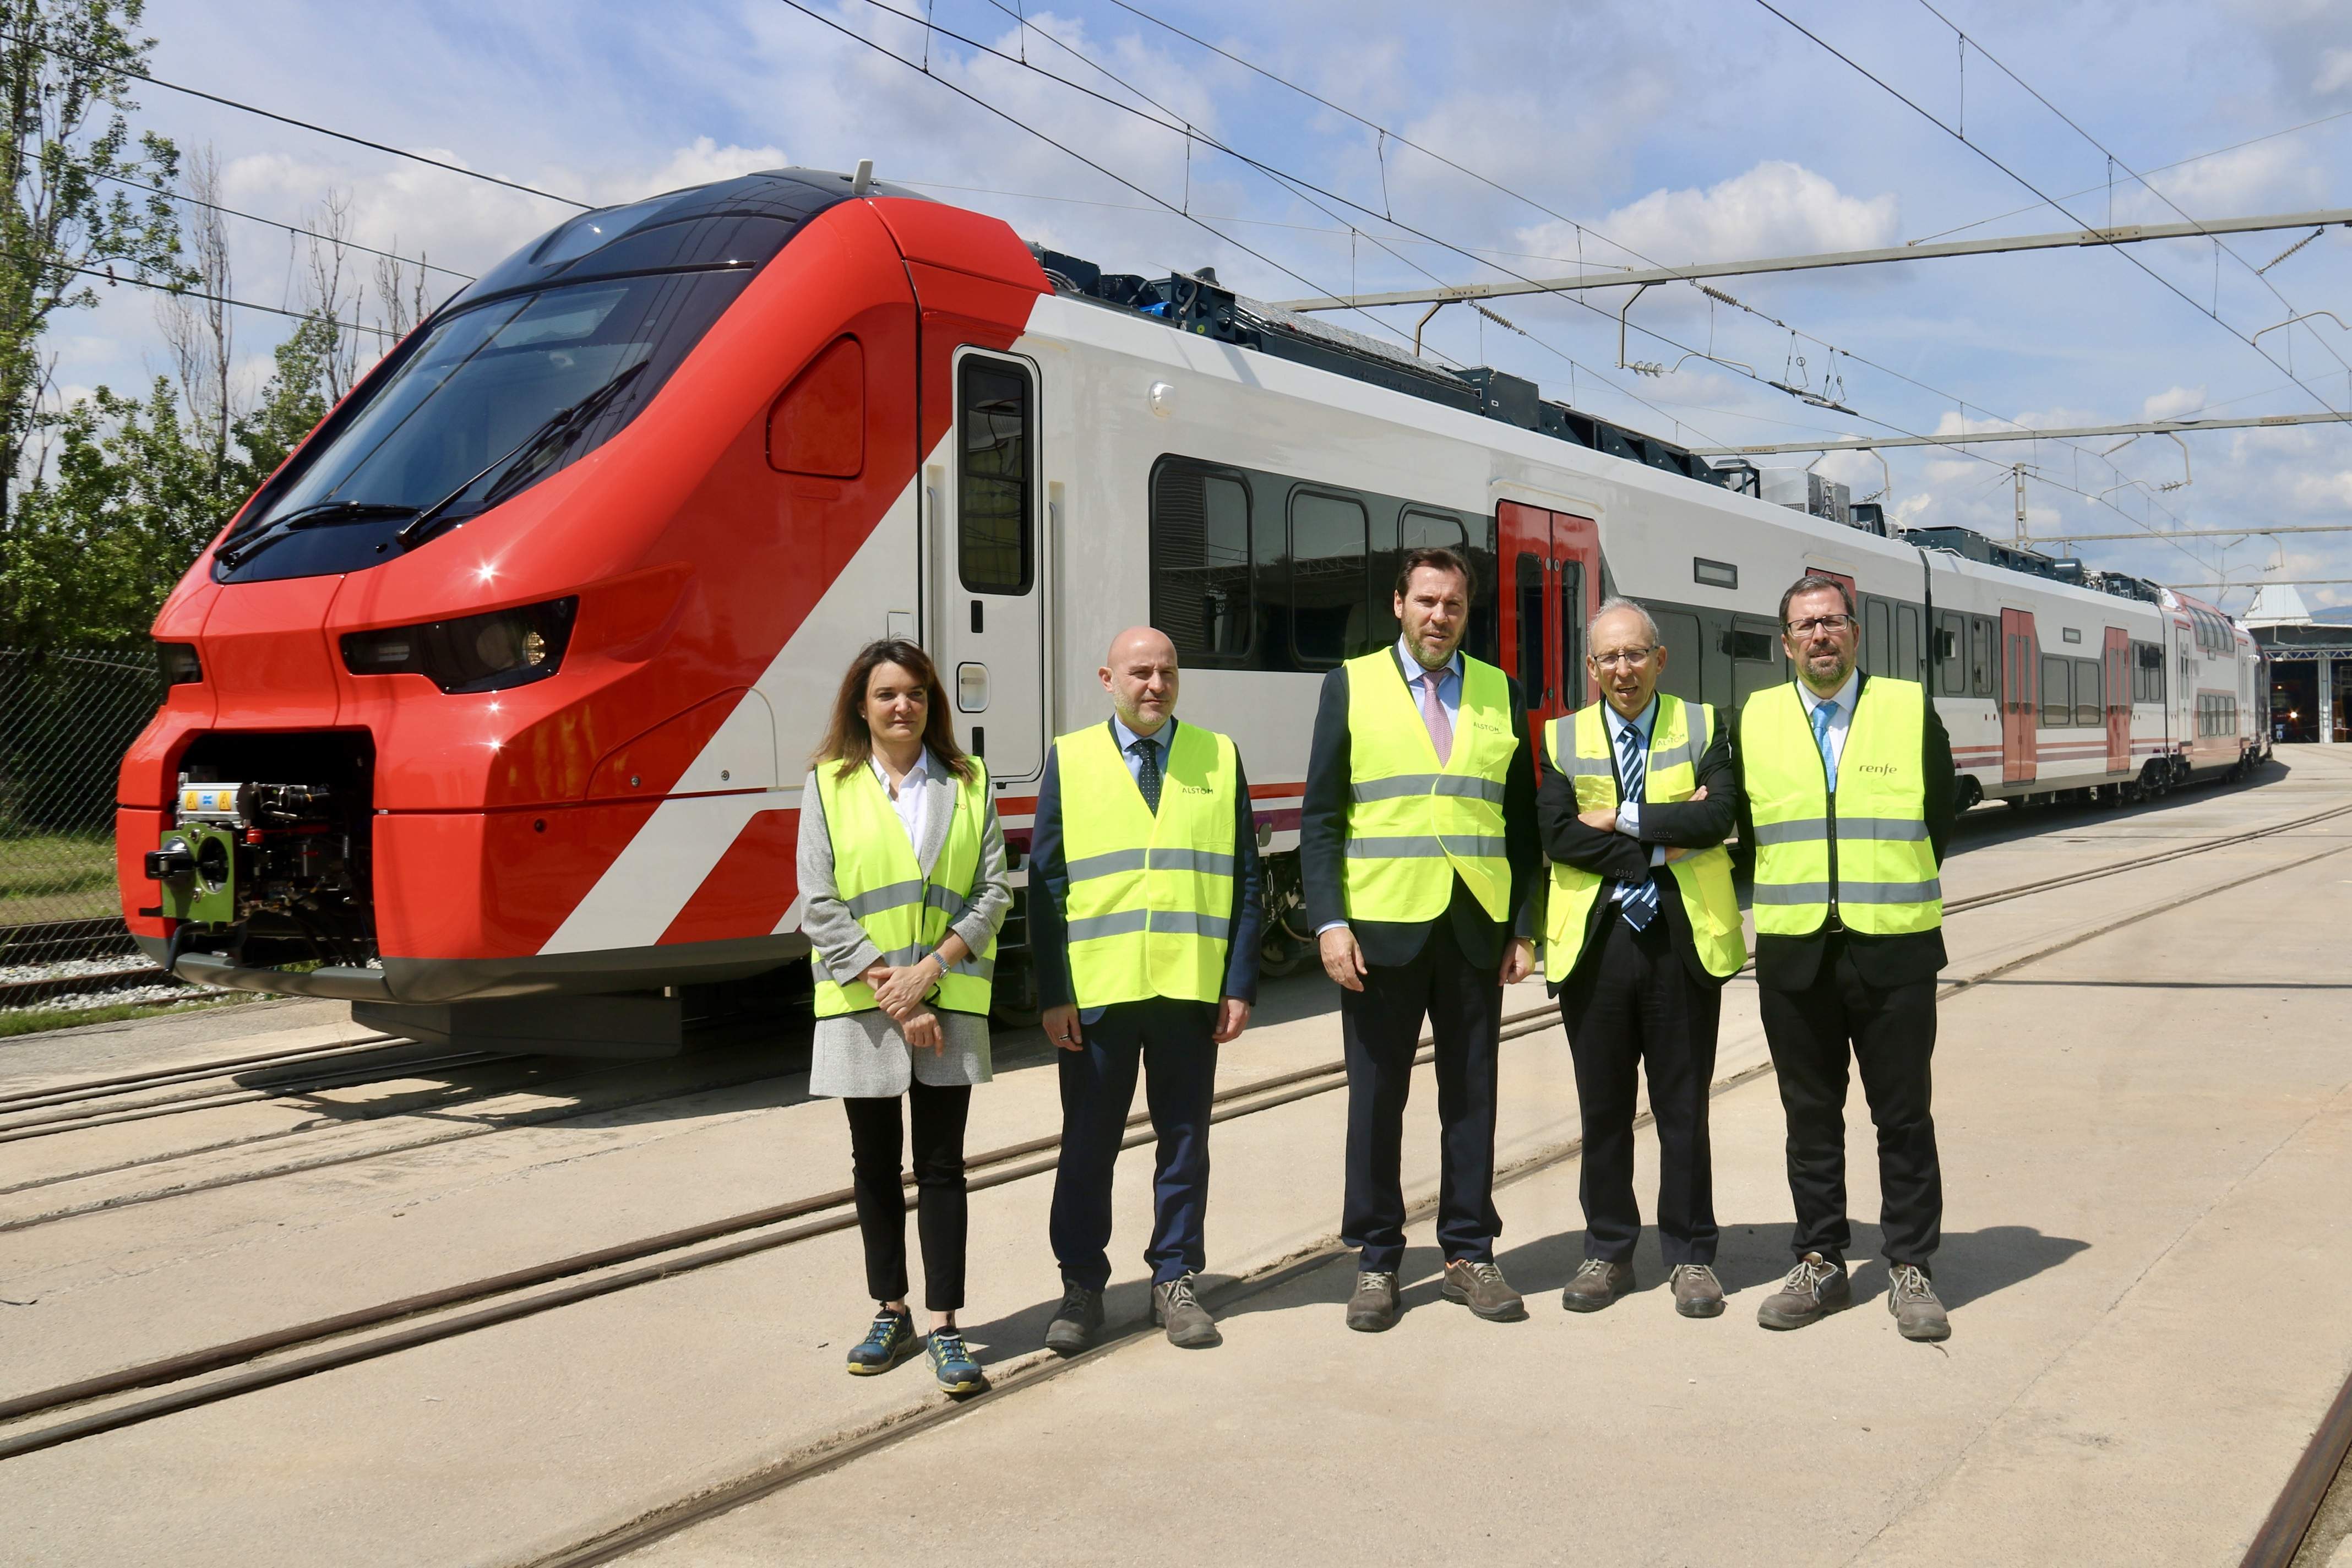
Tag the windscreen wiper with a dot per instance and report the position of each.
(323, 515)
(553, 434)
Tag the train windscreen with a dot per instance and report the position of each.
(497, 397)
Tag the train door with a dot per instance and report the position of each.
(990, 557)
(2117, 659)
(2020, 677)
(1551, 566)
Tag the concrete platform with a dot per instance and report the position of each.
(2145, 1139)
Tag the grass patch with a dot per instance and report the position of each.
(56, 877)
(36, 1020)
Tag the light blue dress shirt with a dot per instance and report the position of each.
(1449, 684)
(1127, 739)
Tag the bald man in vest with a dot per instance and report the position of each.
(1417, 846)
(1642, 929)
(1847, 795)
(1143, 925)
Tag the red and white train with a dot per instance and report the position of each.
(489, 710)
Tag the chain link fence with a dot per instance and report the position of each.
(66, 718)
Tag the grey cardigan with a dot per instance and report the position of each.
(862, 1055)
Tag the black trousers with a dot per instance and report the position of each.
(1633, 1006)
(1891, 1034)
(876, 1153)
(1381, 1026)
(1174, 1045)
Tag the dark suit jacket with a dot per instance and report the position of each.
(1049, 891)
(1791, 962)
(1686, 825)
(1323, 844)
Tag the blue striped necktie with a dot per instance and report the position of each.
(1641, 900)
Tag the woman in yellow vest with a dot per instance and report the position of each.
(902, 889)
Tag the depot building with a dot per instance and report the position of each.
(2310, 666)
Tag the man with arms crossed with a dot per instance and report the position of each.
(1417, 846)
(1847, 789)
(1143, 919)
(1642, 929)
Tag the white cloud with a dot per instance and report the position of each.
(1776, 208)
(2173, 402)
(2335, 72)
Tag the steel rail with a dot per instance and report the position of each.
(1006, 1165)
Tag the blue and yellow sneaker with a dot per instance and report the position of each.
(953, 1365)
(892, 1339)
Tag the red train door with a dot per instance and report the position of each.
(2117, 659)
(1550, 564)
(2021, 679)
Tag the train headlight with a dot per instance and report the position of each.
(179, 663)
(473, 653)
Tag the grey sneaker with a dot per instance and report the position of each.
(1598, 1284)
(1373, 1307)
(1697, 1292)
(1481, 1288)
(1176, 1307)
(1814, 1289)
(1075, 1325)
(1912, 1300)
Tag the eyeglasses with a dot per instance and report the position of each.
(1812, 624)
(1631, 657)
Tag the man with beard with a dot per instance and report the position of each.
(1417, 844)
(1847, 790)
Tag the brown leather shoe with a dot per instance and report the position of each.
(1697, 1292)
(1373, 1307)
(1918, 1314)
(1813, 1289)
(1481, 1288)
(1598, 1284)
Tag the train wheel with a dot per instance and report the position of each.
(1971, 793)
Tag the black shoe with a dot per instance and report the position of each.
(1373, 1307)
(1918, 1315)
(892, 1339)
(1075, 1323)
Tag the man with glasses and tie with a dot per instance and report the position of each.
(1640, 930)
(1143, 924)
(1847, 802)
(1417, 848)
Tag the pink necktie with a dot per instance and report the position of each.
(1432, 712)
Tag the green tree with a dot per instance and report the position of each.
(133, 492)
(66, 217)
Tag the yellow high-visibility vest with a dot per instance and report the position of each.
(1150, 902)
(1865, 844)
(1412, 825)
(1702, 879)
(904, 913)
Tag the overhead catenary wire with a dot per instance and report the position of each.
(1190, 132)
(2221, 246)
(1933, 119)
(183, 293)
(88, 63)
(168, 192)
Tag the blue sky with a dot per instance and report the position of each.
(1682, 131)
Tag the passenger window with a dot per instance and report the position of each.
(1984, 678)
(2057, 709)
(1572, 686)
(1906, 642)
(1755, 660)
(2090, 703)
(1878, 638)
(1684, 669)
(1201, 589)
(1328, 610)
(1951, 653)
(997, 481)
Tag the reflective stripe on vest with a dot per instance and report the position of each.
(1704, 880)
(904, 914)
(1150, 899)
(1414, 826)
(1864, 849)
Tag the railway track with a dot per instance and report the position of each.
(189, 1381)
